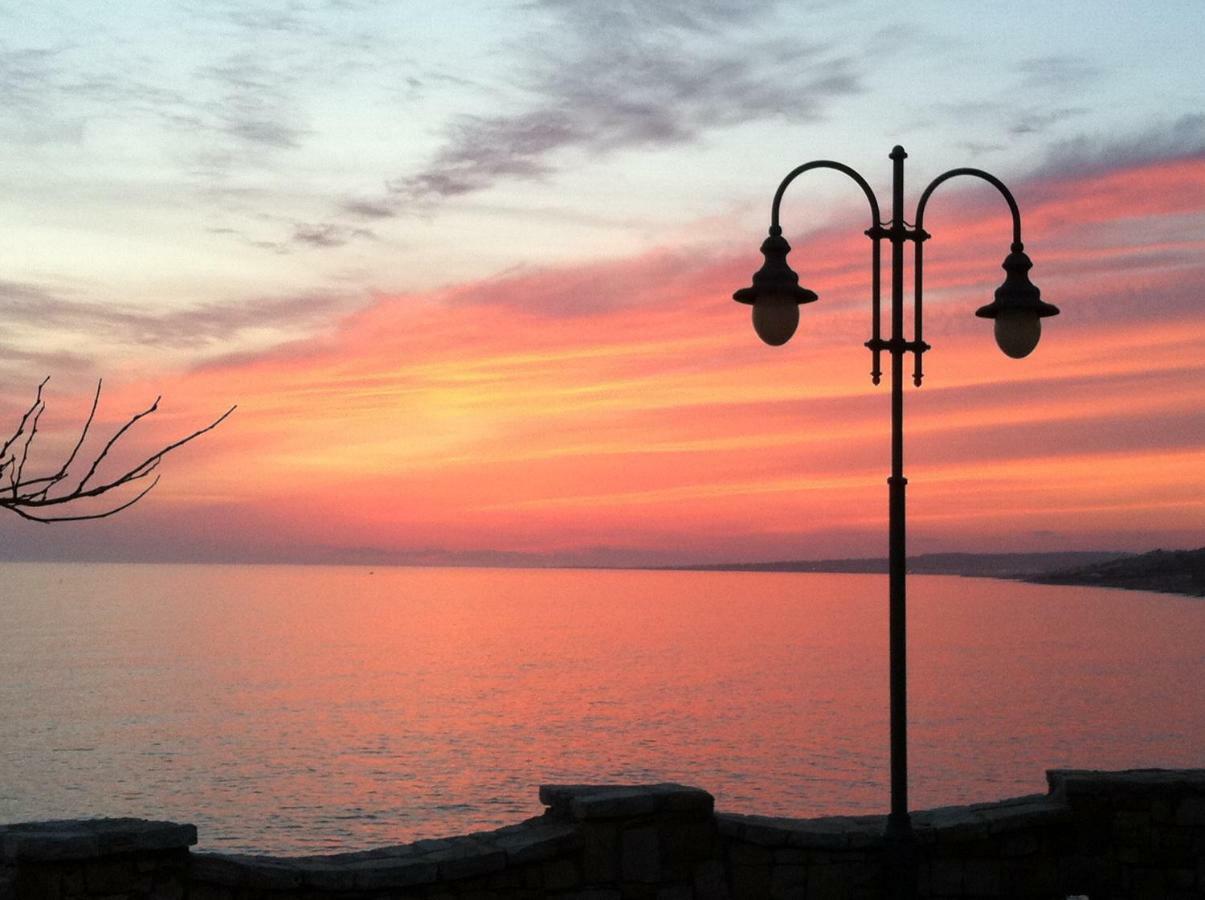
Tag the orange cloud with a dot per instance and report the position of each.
(628, 405)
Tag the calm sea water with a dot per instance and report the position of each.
(298, 709)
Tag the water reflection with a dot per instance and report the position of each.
(300, 709)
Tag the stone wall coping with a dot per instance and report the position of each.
(940, 825)
(403, 865)
(825, 833)
(1078, 781)
(981, 820)
(80, 839)
(584, 802)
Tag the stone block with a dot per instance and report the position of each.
(91, 838)
(610, 801)
(1171, 844)
(640, 855)
(538, 843)
(675, 892)
(788, 882)
(828, 882)
(1191, 811)
(560, 875)
(510, 879)
(981, 877)
(1073, 874)
(710, 882)
(230, 870)
(167, 890)
(945, 877)
(209, 892)
(34, 882)
(750, 882)
(467, 859)
(600, 853)
(749, 855)
(110, 876)
(764, 831)
(837, 833)
(433, 845)
(383, 874)
(73, 880)
(1148, 884)
(1182, 878)
(1024, 843)
(635, 890)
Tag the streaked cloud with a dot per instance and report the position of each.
(627, 405)
(1183, 138)
(100, 325)
(1061, 71)
(623, 76)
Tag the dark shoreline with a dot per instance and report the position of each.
(1160, 571)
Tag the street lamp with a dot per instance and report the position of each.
(1017, 311)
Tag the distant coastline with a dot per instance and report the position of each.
(1166, 571)
(1163, 571)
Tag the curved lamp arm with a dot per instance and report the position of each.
(875, 232)
(1017, 246)
(822, 164)
(990, 179)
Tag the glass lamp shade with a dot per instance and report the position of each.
(775, 319)
(1017, 332)
(1018, 309)
(775, 294)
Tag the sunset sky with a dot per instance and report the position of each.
(466, 269)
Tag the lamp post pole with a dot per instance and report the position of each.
(899, 825)
(776, 296)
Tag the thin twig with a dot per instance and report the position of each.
(113, 440)
(52, 480)
(25, 418)
(33, 430)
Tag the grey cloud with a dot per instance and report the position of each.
(239, 113)
(253, 104)
(1182, 139)
(633, 75)
(368, 209)
(328, 234)
(34, 308)
(981, 148)
(28, 77)
(692, 15)
(1034, 121)
(1061, 72)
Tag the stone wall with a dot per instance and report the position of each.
(1133, 834)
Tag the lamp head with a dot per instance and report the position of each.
(775, 293)
(1018, 308)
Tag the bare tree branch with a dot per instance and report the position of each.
(22, 496)
(21, 427)
(51, 480)
(101, 515)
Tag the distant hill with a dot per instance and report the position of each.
(1168, 571)
(981, 565)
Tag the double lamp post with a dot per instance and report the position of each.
(1017, 310)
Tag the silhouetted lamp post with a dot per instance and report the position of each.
(1018, 310)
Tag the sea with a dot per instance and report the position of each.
(307, 709)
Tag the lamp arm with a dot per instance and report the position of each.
(875, 232)
(822, 164)
(990, 179)
(918, 267)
